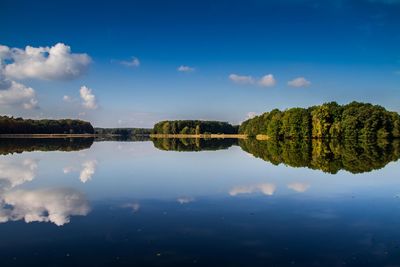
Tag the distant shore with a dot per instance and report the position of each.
(222, 136)
(47, 135)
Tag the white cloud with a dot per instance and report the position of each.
(88, 169)
(16, 172)
(89, 99)
(134, 62)
(184, 200)
(267, 80)
(5, 53)
(241, 79)
(67, 98)
(46, 63)
(299, 187)
(45, 205)
(184, 68)
(299, 82)
(16, 94)
(265, 188)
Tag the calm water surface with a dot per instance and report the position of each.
(182, 203)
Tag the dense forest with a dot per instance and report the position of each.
(329, 156)
(19, 145)
(194, 127)
(352, 121)
(10, 125)
(124, 132)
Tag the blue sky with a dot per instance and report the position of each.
(308, 52)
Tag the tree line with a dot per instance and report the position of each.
(330, 120)
(194, 127)
(11, 125)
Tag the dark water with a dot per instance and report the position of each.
(199, 203)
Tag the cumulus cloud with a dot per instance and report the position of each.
(265, 188)
(134, 62)
(88, 98)
(44, 205)
(46, 63)
(183, 68)
(299, 187)
(16, 172)
(5, 53)
(184, 200)
(88, 169)
(16, 94)
(241, 79)
(67, 98)
(267, 80)
(299, 82)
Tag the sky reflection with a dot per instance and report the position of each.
(140, 205)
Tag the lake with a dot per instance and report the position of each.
(198, 202)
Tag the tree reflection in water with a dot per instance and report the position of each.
(19, 145)
(329, 156)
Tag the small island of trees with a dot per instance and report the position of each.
(194, 127)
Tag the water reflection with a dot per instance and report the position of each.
(16, 172)
(43, 205)
(193, 144)
(135, 206)
(123, 138)
(19, 145)
(327, 156)
(267, 189)
(54, 205)
(299, 187)
(184, 200)
(88, 169)
(191, 205)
